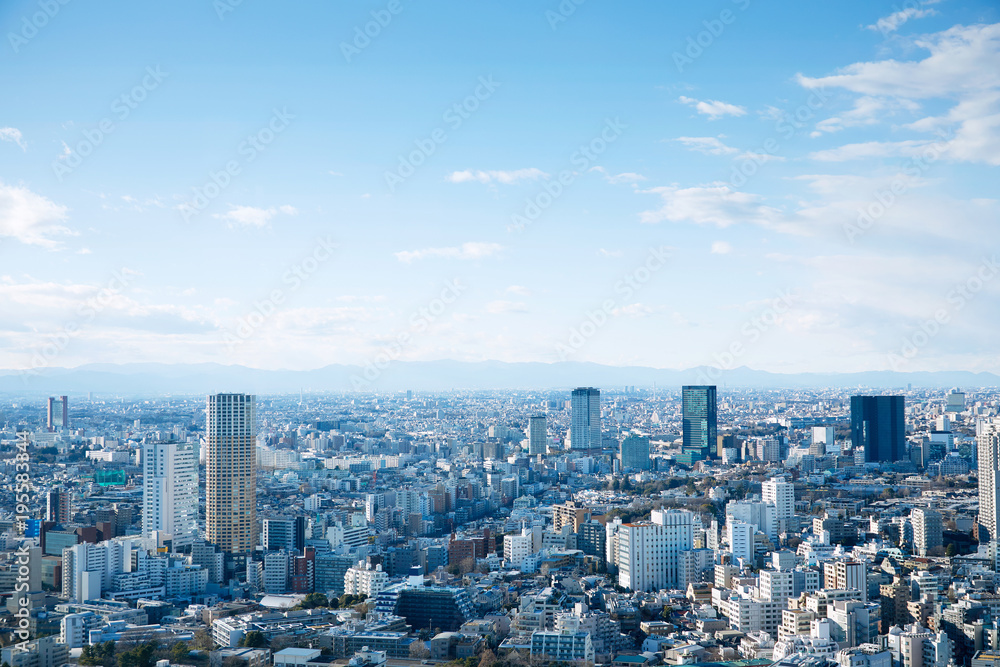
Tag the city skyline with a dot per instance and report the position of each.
(788, 188)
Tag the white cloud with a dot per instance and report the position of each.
(616, 179)
(872, 149)
(962, 68)
(716, 204)
(901, 208)
(470, 250)
(721, 248)
(520, 290)
(13, 134)
(635, 310)
(707, 145)
(252, 216)
(30, 218)
(714, 109)
(502, 177)
(611, 253)
(868, 110)
(713, 146)
(893, 21)
(506, 307)
(963, 59)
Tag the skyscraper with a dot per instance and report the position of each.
(585, 430)
(231, 472)
(537, 435)
(170, 491)
(635, 452)
(57, 416)
(699, 428)
(877, 426)
(928, 531)
(57, 506)
(988, 446)
(780, 493)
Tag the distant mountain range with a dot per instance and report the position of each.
(129, 379)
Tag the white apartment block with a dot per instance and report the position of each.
(170, 491)
(649, 551)
(360, 580)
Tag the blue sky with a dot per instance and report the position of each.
(787, 186)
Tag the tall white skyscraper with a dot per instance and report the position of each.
(170, 491)
(585, 425)
(537, 435)
(231, 472)
(988, 444)
(780, 493)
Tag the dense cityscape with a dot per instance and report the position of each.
(625, 526)
(507, 333)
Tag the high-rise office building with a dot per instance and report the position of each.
(284, 534)
(231, 472)
(537, 435)
(988, 446)
(877, 425)
(57, 506)
(699, 427)
(170, 491)
(58, 413)
(585, 430)
(635, 452)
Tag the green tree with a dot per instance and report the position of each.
(203, 641)
(312, 601)
(254, 639)
(950, 549)
(98, 654)
(142, 655)
(179, 652)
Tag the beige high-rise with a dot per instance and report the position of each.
(988, 444)
(231, 472)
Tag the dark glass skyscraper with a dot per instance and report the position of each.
(877, 425)
(585, 418)
(700, 426)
